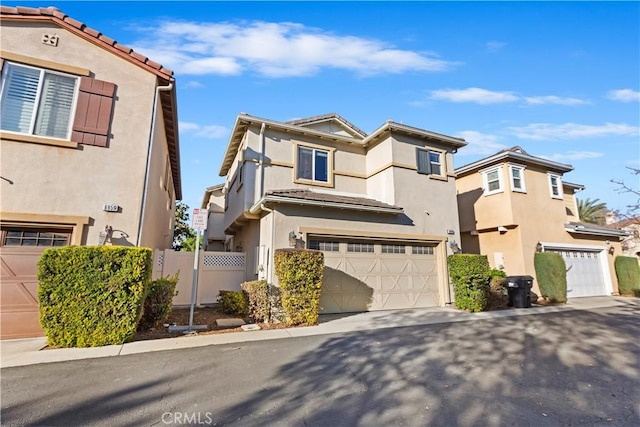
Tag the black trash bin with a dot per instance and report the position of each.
(519, 288)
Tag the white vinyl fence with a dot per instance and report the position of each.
(216, 271)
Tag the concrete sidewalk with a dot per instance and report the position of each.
(30, 351)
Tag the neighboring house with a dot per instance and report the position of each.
(90, 152)
(213, 201)
(513, 204)
(381, 207)
(631, 243)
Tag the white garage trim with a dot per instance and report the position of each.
(602, 251)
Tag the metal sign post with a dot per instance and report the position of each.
(199, 223)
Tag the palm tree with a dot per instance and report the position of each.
(592, 211)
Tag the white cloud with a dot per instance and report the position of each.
(573, 155)
(475, 95)
(193, 84)
(548, 131)
(624, 95)
(552, 99)
(479, 143)
(274, 50)
(209, 131)
(494, 46)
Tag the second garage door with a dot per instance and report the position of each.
(584, 272)
(373, 275)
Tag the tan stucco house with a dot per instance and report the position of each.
(381, 206)
(90, 151)
(512, 204)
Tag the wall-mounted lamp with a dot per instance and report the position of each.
(612, 249)
(454, 247)
(105, 236)
(293, 239)
(539, 247)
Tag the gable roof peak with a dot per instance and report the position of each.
(515, 149)
(326, 117)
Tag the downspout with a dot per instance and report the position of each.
(143, 204)
(271, 243)
(262, 148)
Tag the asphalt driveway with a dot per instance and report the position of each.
(565, 368)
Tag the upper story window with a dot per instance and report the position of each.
(555, 186)
(313, 164)
(37, 101)
(429, 161)
(492, 179)
(516, 173)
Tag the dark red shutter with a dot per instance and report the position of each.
(93, 112)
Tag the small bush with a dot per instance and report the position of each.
(300, 274)
(470, 275)
(257, 293)
(233, 302)
(551, 273)
(498, 293)
(628, 273)
(92, 295)
(157, 304)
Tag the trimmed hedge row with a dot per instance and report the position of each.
(470, 275)
(233, 302)
(628, 273)
(299, 272)
(157, 304)
(92, 295)
(551, 272)
(257, 294)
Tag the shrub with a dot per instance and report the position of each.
(551, 273)
(257, 295)
(157, 304)
(299, 272)
(92, 295)
(498, 293)
(233, 302)
(470, 275)
(628, 273)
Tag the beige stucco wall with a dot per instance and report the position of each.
(78, 181)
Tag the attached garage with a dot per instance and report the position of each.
(362, 275)
(587, 270)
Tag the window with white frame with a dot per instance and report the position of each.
(392, 249)
(429, 161)
(492, 179)
(516, 174)
(360, 247)
(37, 101)
(555, 186)
(312, 164)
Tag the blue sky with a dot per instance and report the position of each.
(560, 79)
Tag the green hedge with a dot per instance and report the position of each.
(628, 273)
(470, 275)
(157, 304)
(257, 293)
(92, 295)
(551, 273)
(233, 302)
(299, 272)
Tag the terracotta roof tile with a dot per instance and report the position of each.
(55, 14)
(331, 198)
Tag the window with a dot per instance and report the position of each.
(555, 184)
(313, 164)
(393, 249)
(517, 178)
(37, 102)
(35, 237)
(322, 245)
(360, 247)
(492, 181)
(429, 162)
(422, 250)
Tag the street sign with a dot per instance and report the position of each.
(199, 219)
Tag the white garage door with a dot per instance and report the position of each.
(584, 272)
(367, 275)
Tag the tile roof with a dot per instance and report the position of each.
(54, 14)
(589, 228)
(315, 196)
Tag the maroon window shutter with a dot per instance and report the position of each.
(93, 112)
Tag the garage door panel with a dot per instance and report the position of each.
(378, 281)
(584, 272)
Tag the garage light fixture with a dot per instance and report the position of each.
(539, 247)
(293, 239)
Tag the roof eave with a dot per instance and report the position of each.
(517, 156)
(291, 200)
(596, 232)
(393, 126)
